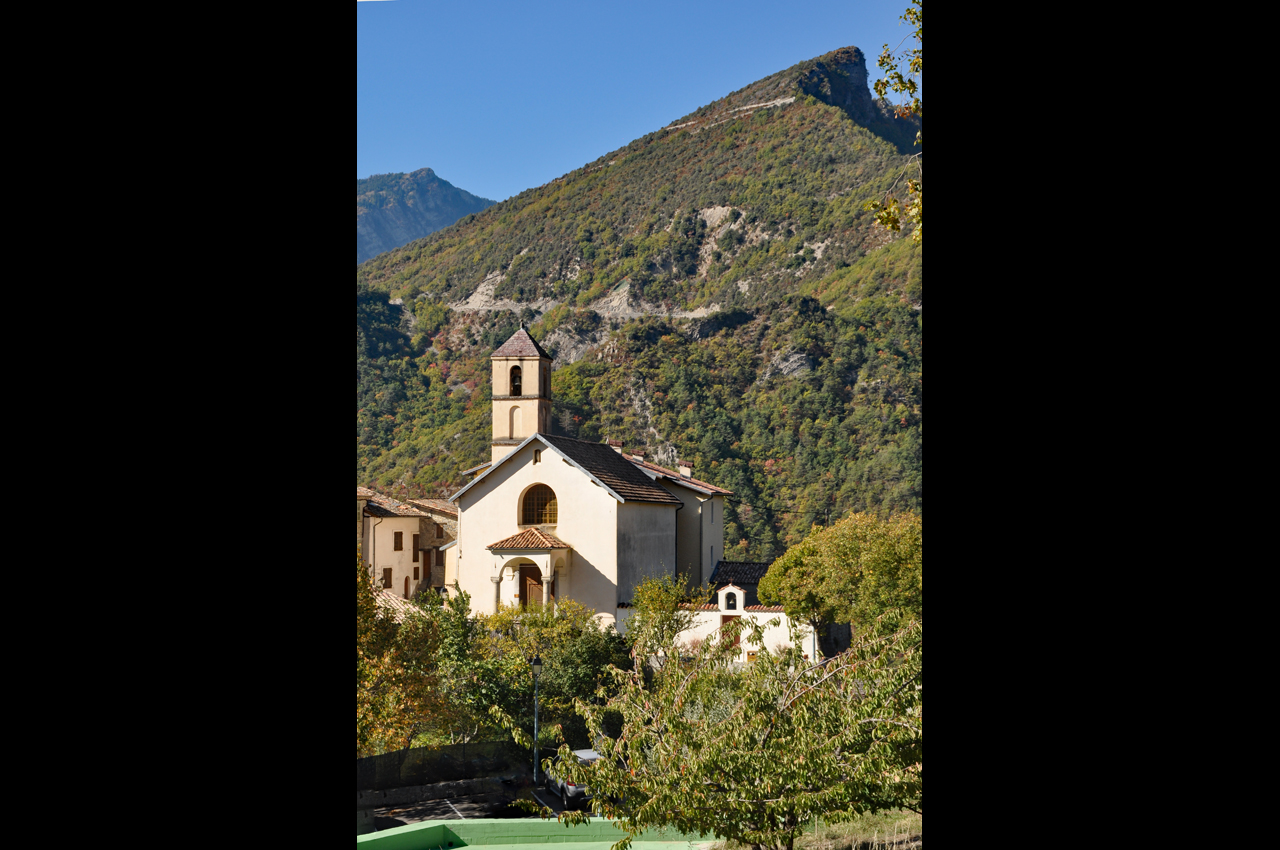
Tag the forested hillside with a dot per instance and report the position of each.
(395, 209)
(714, 292)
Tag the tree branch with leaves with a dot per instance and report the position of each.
(904, 73)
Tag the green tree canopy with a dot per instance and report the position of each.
(752, 753)
(575, 653)
(662, 610)
(851, 572)
(397, 691)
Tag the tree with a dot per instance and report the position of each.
(469, 679)
(888, 211)
(396, 684)
(851, 572)
(753, 754)
(575, 653)
(663, 608)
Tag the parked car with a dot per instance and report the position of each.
(570, 794)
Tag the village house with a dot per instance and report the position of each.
(404, 543)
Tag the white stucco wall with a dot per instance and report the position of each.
(588, 521)
(707, 624)
(382, 553)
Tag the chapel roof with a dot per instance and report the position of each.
(611, 469)
(530, 538)
(520, 345)
(744, 572)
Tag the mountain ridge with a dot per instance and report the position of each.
(396, 209)
(713, 292)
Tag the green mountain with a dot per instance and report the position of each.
(713, 291)
(395, 209)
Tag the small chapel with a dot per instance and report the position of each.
(551, 517)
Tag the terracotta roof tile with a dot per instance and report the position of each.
(530, 538)
(364, 493)
(771, 608)
(613, 470)
(385, 506)
(520, 345)
(393, 604)
(680, 479)
(434, 505)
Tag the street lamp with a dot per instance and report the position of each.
(537, 670)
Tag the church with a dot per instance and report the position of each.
(551, 517)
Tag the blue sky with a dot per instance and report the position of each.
(499, 96)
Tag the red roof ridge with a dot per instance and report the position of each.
(530, 538)
(676, 475)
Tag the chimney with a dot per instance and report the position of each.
(638, 455)
(616, 445)
(686, 468)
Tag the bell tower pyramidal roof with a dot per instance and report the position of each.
(520, 345)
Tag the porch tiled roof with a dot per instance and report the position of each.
(530, 538)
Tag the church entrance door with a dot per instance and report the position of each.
(531, 585)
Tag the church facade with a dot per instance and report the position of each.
(552, 517)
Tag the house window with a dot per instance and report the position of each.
(406, 587)
(439, 530)
(439, 558)
(515, 380)
(399, 544)
(731, 601)
(539, 506)
(751, 658)
(386, 577)
(415, 551)
(537, 455)
(415, 573)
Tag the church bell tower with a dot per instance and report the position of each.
(521, 392)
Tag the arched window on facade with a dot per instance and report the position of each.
(539, 506)
(731, 601)
(515, 380)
